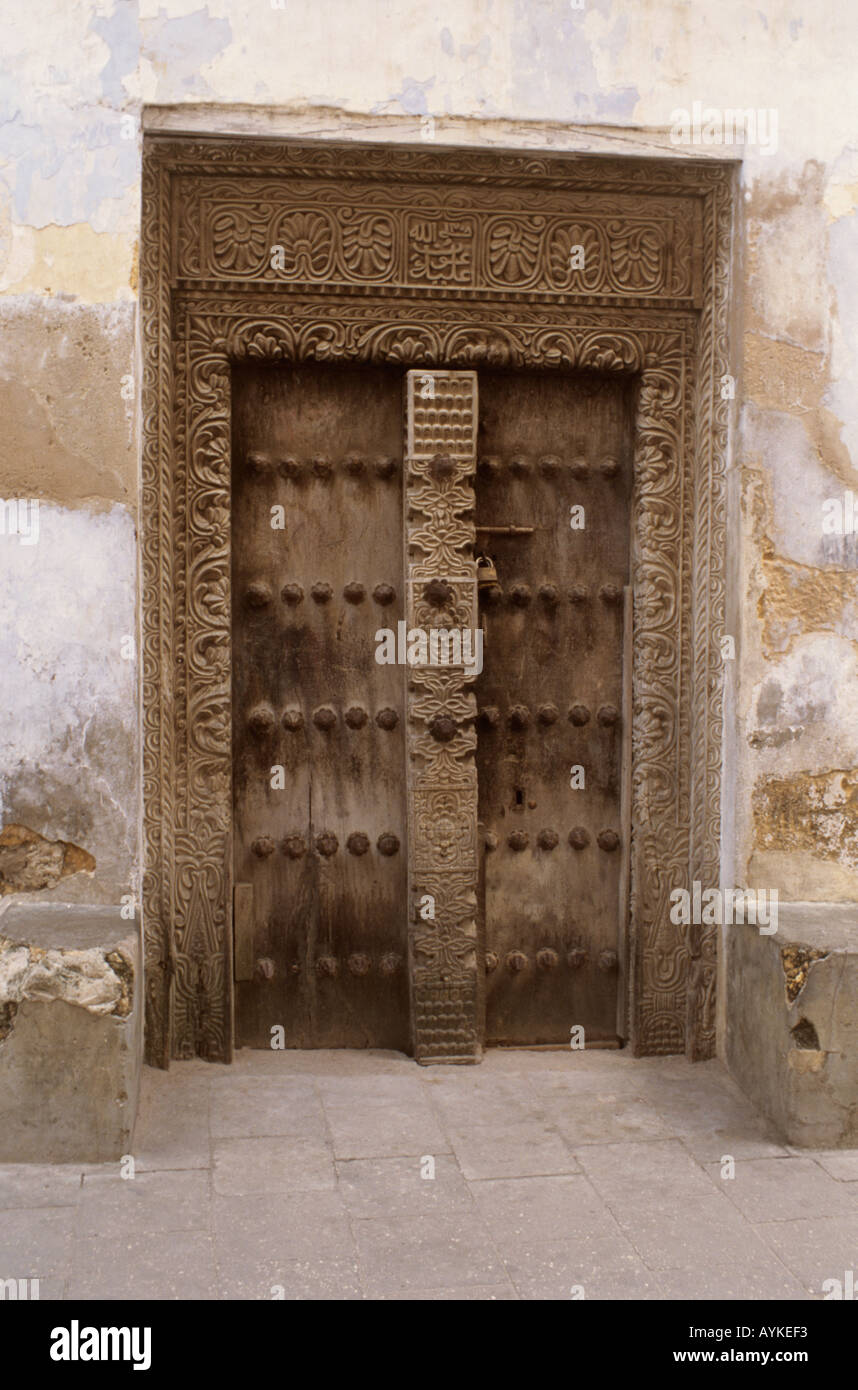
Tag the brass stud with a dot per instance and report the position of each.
(322, 467)
(519, 465)
(261, 720)
(579, 715)
(327, 965)
(549, 465)
(490, 716)
(292, 594)
(357, 843)
(327, 844)
(387, 844)
(442, 467)
(258, 594)
(518, 840)
(607, 961)
(609, 467)
(489, 467)
(384, 594)
(438, 593)
(547, 959)
(293, 720)
(354, 465)
(608, 840)
(577, 594)
(387, 719)
(389, 963)
(548, 714)
(294, 846)
(579, 467)
(359, 964)
(385, 467)
(321, 593)
(550, 595)
(259, 465)
(354, 593)
(576, 958)
(491, 961)
(607, 716)
(262, 846)
(324, 717)
(355, 717)
(579, 838)
(516, 961)
(491, 594)
(491, 840)
(548, 839)
(520, 595)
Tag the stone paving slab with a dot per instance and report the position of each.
(359, 1175)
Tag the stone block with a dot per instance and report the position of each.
(70, 1033)
(792, 1030)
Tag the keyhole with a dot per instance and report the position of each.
(519, 796)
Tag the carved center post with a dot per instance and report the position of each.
(441, 573)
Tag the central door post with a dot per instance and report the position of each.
(441, 585)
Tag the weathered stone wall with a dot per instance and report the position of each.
(603, 76)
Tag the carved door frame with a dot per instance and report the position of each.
(450, 258)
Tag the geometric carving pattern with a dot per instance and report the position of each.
(453, 259)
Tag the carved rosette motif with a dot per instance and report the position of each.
(386, 251)
(441, 427)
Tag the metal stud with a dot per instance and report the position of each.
(259, 465)
(321, 593)
(489, 467)
(490, 716)
(385, 467)
(443, 728)
(609, 467)
(292, 594)
(577, 594)
(294, 846)
(387, 844)
(327, 844)
(384, 594)
(322, 467)
(354, 593)
(579, 467)
(387, 719)
(327, 965)
(442, 467)
(519, 717)
(607, 716)
(547, 959)
(491, 840)
(608, 840)
(607, 961)
(549, 465)
(491, 594)
(354, 465)
(261, 720)
(359, 964)
(357, 843)
(324, 717)
(289, 468)
(262, 846)
(516, 961)
(548, 839)
(610, 593)
(355, 717)
(548, 714)
(491, 961)
(576, 958)
(293, 720)
(550, 595)
(579, 715)
(258, 594)
(438, 593)
(389, 963)
(519, 465)
(579, 838)
(520, 595)
(518, 840)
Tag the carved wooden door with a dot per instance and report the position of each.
(320, 844)
(550, 751)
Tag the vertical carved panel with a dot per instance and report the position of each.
(442, 775)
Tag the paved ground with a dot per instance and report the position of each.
(554, 1172)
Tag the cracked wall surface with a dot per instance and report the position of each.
(534, 73)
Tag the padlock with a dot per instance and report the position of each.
(487, 575)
